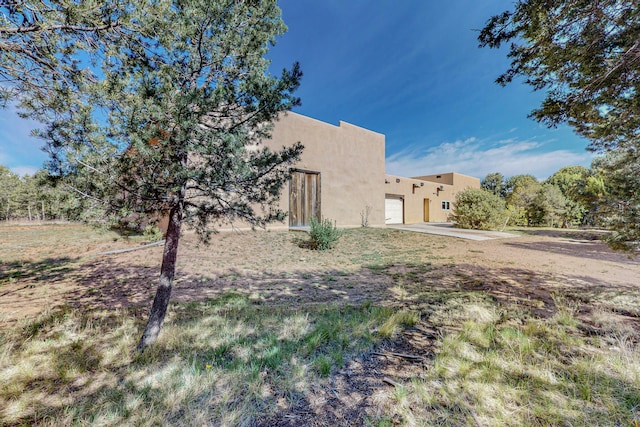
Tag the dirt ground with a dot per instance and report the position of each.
(272, 268)
(382, 266)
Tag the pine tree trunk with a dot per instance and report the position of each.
(167, 272)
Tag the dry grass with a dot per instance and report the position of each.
(271, 336)
(218, 362)
(499, 366)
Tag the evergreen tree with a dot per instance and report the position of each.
(570, 180)
(478, 209)
(549, 207)
(165, 112)
(586, 56)
(619, 204)
(9, 193)
(521, 191)
(494, 182)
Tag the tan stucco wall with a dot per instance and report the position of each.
(458, 180)
(350, 160)
(414, 198)
(441, 178)
(462, 182)
(416, 190)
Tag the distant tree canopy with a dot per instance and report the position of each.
(520, 193)
(569, 178)
(155, 107)
(586, 56)
(494, 182)
(572, 196)
(36, 198)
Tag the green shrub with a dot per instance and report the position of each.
(478, 209)
(152, 233)
(323, 234)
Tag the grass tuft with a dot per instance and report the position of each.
(398, 321)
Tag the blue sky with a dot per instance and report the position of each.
(409, 69)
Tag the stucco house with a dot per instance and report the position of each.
(341, 176)
(428, 198)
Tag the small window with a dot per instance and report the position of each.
(445, 206)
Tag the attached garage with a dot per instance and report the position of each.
(393, 209)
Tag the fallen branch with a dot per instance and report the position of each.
(391, 382)
(119, 251)
(405, 356)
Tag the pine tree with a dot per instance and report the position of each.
(586, 56)
(164, 113)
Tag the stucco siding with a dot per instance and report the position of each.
(462, 182)
(441, 178)
(345, 166)
(430, 197)
(350, 160)
(415, 192)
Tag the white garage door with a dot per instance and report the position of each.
(393, 210)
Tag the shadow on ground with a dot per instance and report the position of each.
(41, 271)
(350, 395)
(590, 249)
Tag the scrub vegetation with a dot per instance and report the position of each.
(387, 328)
(499, 366)
(221, 361)
(323, 234)
(479, 209)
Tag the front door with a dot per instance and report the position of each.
(304, 198)
(426, 210)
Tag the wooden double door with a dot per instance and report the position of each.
(304, 198)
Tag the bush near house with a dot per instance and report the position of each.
(478, 209)
(323, 234)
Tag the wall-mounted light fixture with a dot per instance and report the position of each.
(386, 181)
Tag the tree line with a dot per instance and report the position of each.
(38, 198)
(568, 198)
(574, 196)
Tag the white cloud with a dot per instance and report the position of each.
(24, 170)
(476, 158)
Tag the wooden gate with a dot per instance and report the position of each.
(304, 198)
